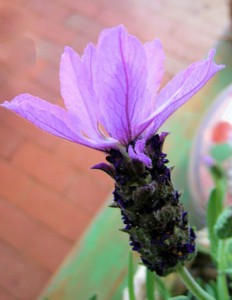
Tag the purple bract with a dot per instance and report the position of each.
(111, 94)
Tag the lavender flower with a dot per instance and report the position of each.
(111, 94)
(113, 105)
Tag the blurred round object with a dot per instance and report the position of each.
(213, 142)
(221, 132)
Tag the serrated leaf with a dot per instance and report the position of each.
(223, 226)
(229, 252)
(211, 288)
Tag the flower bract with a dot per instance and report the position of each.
(111, 94)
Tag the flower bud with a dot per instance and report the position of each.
(151, 210)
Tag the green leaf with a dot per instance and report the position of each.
(94, 297)
(223, 226)
(221, 152)
(219, 178)
(182, 297)
(228, 252)
(215, 207)
(227, 271)
(162, 289)
(212, 215)
(211, 288)
(150, 285)
(131, 277)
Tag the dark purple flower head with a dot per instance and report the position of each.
(111, 94)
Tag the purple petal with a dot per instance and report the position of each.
(155, 65)
(105, 168)
(53, 119)
(121, 82)
(163, 136)
(180, 89)
(208, 161)
(77, 87)
(137, 153)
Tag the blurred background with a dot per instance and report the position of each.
(48, 194)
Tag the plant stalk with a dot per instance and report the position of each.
(222, 288)
(150, 285)
(192, 285)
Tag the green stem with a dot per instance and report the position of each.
(131, 278)
(150, 285)
(222, 288)
(192, 285)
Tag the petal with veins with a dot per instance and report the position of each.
(77, 87)
(120, 82)
(111, 94)
(180, 89)
(155, 66)
(54, 120)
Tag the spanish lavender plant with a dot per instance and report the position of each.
(113, 105)
(151, 210)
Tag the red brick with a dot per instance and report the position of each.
(174, 65)
(6, 295)
(46, 9)
(43, 166)
(83, 24)
(46, 28)
(67, 210)
(110, 18)
(45, 91)
(9, 141)
(49, 77)
(167, 77)
(52, 53)
(17, 228)
(14, 185)
(174, 50)
(190, 37)
(82, 157)
(20, 2)
(20, 275)
(56, 212)
(90, 191)
(20, 127)
(86, 8)
(13, 22)
(27, 84)
(48, 248)
(80, 42)
(83, 34)
(92, 185)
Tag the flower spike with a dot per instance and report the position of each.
(113, 104)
